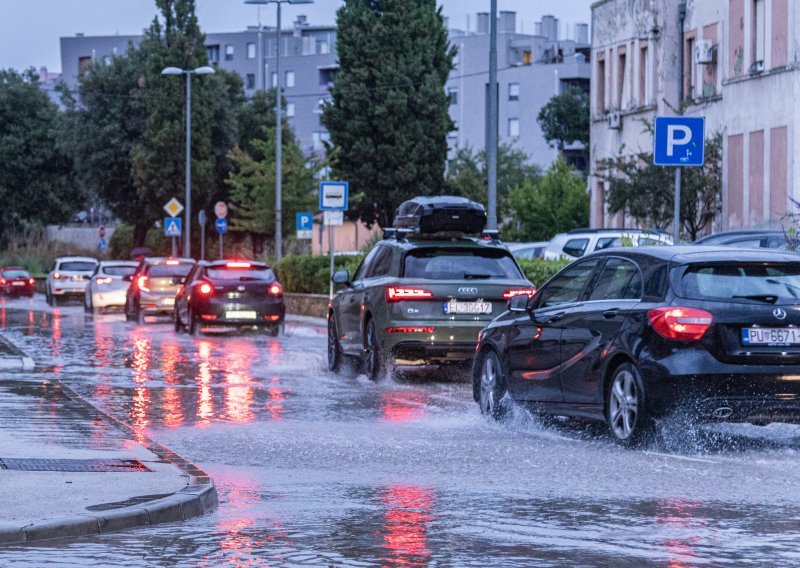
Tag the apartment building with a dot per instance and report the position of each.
(733, 62)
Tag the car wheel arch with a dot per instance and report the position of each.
(611, 366)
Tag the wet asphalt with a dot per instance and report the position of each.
(324, 470)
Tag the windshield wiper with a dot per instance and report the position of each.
(768, 298)
(477, 276)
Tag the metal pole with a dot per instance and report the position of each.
(220, 246)
(260, 76)
(187, 235)
(278, 149)
(202, 241)
(491, 138)
(676, 230)
(174, 246)
(330, 249)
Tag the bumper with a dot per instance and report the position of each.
(17, 290)
(225, 312)
(155, 304)
(113, 298)
(77, 290)
(447, 343)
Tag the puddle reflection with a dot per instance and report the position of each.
(678, 517)
(403, 406)
(407, 516)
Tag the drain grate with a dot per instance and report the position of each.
(33, 464)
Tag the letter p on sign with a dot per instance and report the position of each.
(678, 141)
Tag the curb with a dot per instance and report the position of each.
(17, 360)
(197, 498)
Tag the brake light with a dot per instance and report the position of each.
(395, 294)
(3, 281)
(681, 324)
(238, 265)
(173, 262)
(410, 329)
(275, 289)
(56, 275)
(205, 289)
(105, 280)
(141, 283)
(518, 292)
(31, 281)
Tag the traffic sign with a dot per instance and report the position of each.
(221, 225)
(102, 231)
(221, 209)
(201, 217)
(173, 226)
(101, 245)
(333, 195)
(173, 207)
(678, 141)
(305, 225)
(333, 217)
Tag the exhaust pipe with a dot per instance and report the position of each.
(722, 412)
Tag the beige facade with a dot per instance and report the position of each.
(349, 237)
(741, 70)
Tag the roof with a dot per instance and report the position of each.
(119, 263)
(740, 233)
(698, 253)
(76, 259)
(160, 259)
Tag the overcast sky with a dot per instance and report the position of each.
(30, 29)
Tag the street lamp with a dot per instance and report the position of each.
(278, 110)
(187, 241)
(491, 137)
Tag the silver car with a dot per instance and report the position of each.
(108, 286)
(69, 278)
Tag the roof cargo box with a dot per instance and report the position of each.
(442, 213)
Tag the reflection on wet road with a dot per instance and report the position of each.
(319, 469)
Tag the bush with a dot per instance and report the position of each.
(31, 250)
(311, 274)
(121, 242)
(540, 271)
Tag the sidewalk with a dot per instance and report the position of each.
(68, 470)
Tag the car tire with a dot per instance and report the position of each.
(138, 316)
(275, 330)
(490, 385)
(194, 329)
(625, 407)
(176, 319)
(53, 301)
(373, 358)
(334, 347)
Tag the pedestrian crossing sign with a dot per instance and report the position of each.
(173, 226)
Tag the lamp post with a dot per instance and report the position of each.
(491, 136)
(187, 234)
(278, 122)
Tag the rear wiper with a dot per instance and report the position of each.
(248, 279)
(477, 276)
(768, 298)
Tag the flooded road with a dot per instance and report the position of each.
(318, 469)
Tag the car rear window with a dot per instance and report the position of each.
(254, 273)
(16, 274)
(168, 270)
(118, 270)
(76, 266)
(742, 281)
(460, 264)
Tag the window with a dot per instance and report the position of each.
(453, 133)
(452, 92)
(274, 79)
(576, 247)
(290, 78)
(600, 103)
(365, 264)
(460, 264)
(251, 81)
(619, 280)
(513, 127)
(323, 47)
(513, 91)
(748, 282)
(527, 57)
(212, 51)
(229, 52)
(456, 60)
(290, 110)
(607, 242)
(644, 73)
(83, 64)
(689, 69)
(251, 50)
(622, 71)
(382, 264)
(319, 139)
(759, 32)
(567, 286)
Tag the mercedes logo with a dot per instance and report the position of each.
(779, 313)
(468, 291)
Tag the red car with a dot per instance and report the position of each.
(15, 281)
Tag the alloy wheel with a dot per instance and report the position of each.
(623, 404)
(372, 352)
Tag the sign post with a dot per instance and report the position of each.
(679, 142)
(201, 221)
(173, 208)
(333, 198)
(221, 224)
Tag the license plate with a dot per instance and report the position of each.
(455, 307)
(771, 336)
(168, 302)
(240, 315)
(18, 283)
(77, 278)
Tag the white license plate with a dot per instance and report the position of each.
(168, 302)
(22, 283)
(454, 307)
(771, 336)
(240, 315)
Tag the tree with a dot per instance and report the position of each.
(388, 118)
(641, 190)
(36, 182)
(557, 203)
(565, 119)
(467, 175)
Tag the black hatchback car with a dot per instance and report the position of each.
(231, 293)
(626, 336)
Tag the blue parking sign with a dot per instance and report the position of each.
(678, 141)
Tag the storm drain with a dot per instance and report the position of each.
(33, 464)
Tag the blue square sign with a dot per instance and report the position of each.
(173, 227)
(678, 141)
(333, 195)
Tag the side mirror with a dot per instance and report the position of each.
(341, 277)
(127, 278)
(518, 303)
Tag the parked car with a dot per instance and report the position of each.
(629, 335)
(16, 281)
(108, 287)
(527, 250)
(745, 239)
(154, 286)
(578, 242)
(68, 278)
(230, 293)
(420, 298)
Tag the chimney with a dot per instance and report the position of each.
(507, 22)
(483, 23)
(301, 21)
(550, 27)
(582, 34)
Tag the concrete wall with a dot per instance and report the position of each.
(84, 237)
(349, 237)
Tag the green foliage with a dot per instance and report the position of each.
(467, 175)
(311, 274)
(565, 118)
(557, 203)
(388, 118)
(539, 271)
(36, 184)
(646, 192)
(121, 242)
(32, 250)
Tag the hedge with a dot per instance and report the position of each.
(540, 271)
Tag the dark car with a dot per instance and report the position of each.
(745, 239)
(153, 287)
(627, 336)
(230, 293)
(16, 281)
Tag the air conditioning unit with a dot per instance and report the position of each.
(757, 67)
(615, 121)
(704, 52)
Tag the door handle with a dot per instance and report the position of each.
(611, 314)
(556, 317)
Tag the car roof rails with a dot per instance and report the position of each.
(396, 234)
(613, 230)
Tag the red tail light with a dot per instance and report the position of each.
(275, 289)
(205, 289)
(141, 283)
(3, 281)
(105, 280)
(396, 294)
(410, 329)
(518, 292)
(681, 324)
(238, 265)
(56, 275)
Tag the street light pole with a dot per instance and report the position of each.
(491, 137)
